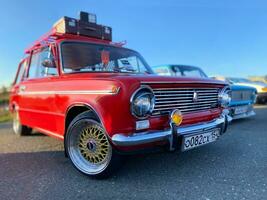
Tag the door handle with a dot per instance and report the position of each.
(22, 88)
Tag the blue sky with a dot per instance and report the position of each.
(223, 37)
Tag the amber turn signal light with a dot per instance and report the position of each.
(176, 117)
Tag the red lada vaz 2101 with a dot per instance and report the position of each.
(104, 101)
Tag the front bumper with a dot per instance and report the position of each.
(171, 135)
(249, 113)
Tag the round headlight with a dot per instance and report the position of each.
(225, 97)
(142, 103)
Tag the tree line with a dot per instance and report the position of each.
(4, 96)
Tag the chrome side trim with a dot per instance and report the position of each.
(41, 112)
(107, 92)
(49, 133)
(173, 82)
(165, 135)
(189, 88)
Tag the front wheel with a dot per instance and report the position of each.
(88, 148)
(18, 128)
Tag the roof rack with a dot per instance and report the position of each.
(44, 40)
(83, 28)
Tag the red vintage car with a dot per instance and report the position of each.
(103, 100)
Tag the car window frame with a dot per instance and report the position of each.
(30, 61)
(24, 62)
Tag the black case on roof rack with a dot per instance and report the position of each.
(86, 26)
(89, 29)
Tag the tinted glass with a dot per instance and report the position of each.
(86, 57)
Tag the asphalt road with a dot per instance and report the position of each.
(234, 167)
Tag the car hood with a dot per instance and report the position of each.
(258, 86)
(144, 78)
(242, 87)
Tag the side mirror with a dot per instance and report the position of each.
(49, 63)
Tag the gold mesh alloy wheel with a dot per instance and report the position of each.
(93, 144)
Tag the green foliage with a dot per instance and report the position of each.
(4, 98)
(4, 90)
(5, 116)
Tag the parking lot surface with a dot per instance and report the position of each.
(234, 167)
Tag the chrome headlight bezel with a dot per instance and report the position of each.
(254, 96)
(224, 97)
(145, 96)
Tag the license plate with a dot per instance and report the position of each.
(241, 109)
(193, 141)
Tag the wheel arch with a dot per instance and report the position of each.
(13, 106)
(78, 108)
(73, 111)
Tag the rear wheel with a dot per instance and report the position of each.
(18, 128)
(88, 148)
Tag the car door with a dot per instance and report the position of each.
(15, 97)
(37, 101)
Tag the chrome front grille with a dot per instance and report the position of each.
(185, 99)
(240, 95)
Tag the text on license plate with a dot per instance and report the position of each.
(241, 109)
(192, 141)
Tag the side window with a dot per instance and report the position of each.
(163, 71)
(42, 64)
(21, 71)
(33, 65)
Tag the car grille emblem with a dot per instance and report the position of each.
(195, 96)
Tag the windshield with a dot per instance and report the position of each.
(189, 71)
(179, 70)
(240, 80)
(87, 57)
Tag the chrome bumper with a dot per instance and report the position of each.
(170, 134)
(250, 112)
(244, 115)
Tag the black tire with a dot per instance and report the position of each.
(18, 128)
(261, 101)
(85, 141)
(258, 100)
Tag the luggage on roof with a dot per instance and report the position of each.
(86, 25)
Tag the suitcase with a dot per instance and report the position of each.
(66, 25)
(107, 33)
(86, 17)
(89, 29)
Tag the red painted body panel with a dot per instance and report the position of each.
(48, 100)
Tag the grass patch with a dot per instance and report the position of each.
(5, 117)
